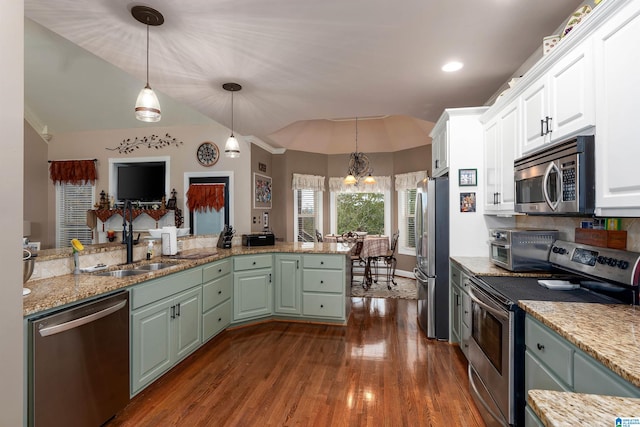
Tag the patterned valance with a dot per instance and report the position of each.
(337, 185)
(203, 197)
(74, 172)
(408, 181)
(308, 182)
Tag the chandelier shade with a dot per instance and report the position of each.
(359, 166)
(147, 105)
(232, 147)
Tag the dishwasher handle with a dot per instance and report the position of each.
(56, 329)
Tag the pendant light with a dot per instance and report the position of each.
(147, 105)
(232, 148)
(358, 166)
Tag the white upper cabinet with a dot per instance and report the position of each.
(560, 104)
(440, 149)
(501, 136)
(617, 110)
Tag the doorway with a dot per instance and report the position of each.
(210, 221)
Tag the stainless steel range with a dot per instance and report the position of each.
(496, 348)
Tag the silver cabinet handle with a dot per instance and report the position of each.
(56, 329)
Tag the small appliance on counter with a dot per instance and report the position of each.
(169, 240)
(266, 238)
(225, 237)
(519, 249)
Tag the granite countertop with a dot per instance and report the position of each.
(556, 408)
(482, 266)
(609, 333)
(59, 291)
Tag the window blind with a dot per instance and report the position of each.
(72, 203)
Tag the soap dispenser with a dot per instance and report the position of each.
(150, 250)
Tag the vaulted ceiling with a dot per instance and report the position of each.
(305, 65)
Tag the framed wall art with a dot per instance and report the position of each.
(262, 191)
(467, 202)
(468, 177)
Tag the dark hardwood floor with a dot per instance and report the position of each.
(379, 370)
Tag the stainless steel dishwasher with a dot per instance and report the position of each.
(79, 373)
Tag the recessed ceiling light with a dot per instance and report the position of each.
(452, 66)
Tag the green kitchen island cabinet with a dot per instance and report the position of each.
(252, 287)
(324, 287)
(288, 289)
(166, 324)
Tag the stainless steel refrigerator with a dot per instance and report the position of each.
(432, 252)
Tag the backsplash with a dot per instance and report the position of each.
(567, 226)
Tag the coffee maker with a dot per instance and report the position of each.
(225, 237)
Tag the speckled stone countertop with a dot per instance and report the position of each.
(556, 408)
(482, 266)
(59, 291)
(607, 332)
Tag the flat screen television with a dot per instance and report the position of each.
(144, 182)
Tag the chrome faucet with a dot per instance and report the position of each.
(127, 236)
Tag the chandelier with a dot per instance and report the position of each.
(359, 166)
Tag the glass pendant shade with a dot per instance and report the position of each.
(147, 105)
(350, 179)
(369, 180)
(232, 148)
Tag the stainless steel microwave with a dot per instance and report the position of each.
(559, 180)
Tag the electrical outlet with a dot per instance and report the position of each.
(255, 219)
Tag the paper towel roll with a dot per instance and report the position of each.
(169, 240)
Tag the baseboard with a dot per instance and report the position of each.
(403, 273)
(359, 271)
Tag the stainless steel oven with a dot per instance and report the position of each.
(491, 358)
(558, 180)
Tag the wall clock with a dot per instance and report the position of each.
(208, 154)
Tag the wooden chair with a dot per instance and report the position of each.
(318, 236)
(355, 242)
(391, 261)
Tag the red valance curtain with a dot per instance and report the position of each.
(202, 197)
(73, 171)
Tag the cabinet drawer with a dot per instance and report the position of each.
(215, 270)
(157, 289)
(322, 305)
(550, 349)
(591, 377)
(323, 281)
(455, 276)
(250, 262)
(323, 261)
(216, 320)
(465, 282)
(216, 291)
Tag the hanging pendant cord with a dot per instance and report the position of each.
(356, 135)
(232, 113)
(147, 53)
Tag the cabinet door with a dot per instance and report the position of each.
(572, 91)
(150, 343)
(509, 134)
(492, 175)
(456, 316)
(252, 294)
(617, 80)
(591, 377)
(288, 297)
(440, 152)
(535, 110)
(187, 324)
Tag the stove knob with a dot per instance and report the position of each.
(562, 251)
(612, 262)
(601, 260)
(623, 265)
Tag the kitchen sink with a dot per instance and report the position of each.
(122, 273)
(154, 266)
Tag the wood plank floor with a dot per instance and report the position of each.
(379, 370)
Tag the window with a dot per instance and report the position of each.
(406, 221)
(307, 206)
(307, 214)
(72, 203)
(406, 186)
(361, 208)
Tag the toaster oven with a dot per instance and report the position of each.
(518, 249)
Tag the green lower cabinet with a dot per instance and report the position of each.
(162, 334)
(456, 312)
(216, 303)
(288, 286)
(553, 363)
(252, 294)
(323, 287)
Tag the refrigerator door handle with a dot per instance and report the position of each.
(419, 275)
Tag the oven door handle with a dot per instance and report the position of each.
(500, 245)
(545, 181)
(498, 313)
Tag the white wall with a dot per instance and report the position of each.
(11, 177)
(94, 144)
